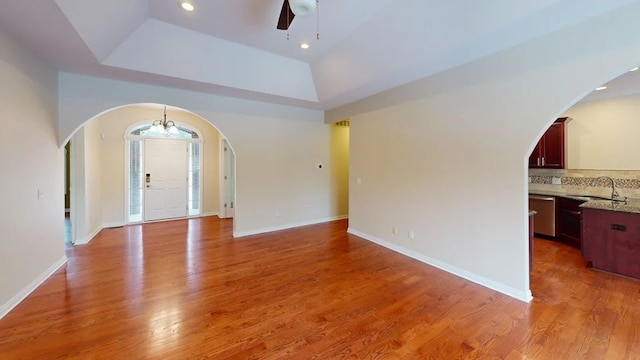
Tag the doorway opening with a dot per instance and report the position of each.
(110, 157)
(68, 238)
(228, 191)
(592, 155)
(340, 166)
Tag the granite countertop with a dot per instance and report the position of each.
(632, 206)
(548, 193)
(559, 194)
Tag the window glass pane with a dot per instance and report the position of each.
(181, 133)
(194, 179)
(135, 181)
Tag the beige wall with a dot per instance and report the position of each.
(446, 157)
(86, 207)
(277, 148)
(603, 134)
(111, 139)
(31, 229)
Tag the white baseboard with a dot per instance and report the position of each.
(17, 299)
(480, 280)
(239, 234)
(211, 213)
(112, 225)
(85, 241)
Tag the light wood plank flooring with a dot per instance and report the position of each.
(186, 290)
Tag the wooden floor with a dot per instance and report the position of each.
(186, 290)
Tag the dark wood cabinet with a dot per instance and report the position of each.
(611, 241)
(568, 221)
(549, 153)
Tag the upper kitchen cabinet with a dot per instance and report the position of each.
(549, 153)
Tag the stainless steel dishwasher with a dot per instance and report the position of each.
(545, 220)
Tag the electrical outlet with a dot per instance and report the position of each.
(556, 180)
(394, 229)
(412, 235)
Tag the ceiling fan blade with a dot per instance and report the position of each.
(286, 16)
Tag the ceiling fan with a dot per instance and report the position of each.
(291, 8)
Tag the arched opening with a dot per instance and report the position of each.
(599, 168)
(125, 172)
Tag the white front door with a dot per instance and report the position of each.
(165, 164)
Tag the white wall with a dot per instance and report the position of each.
(446, 156)
(277, 147)
(113, 126)
(86, 184)
(31, 229)
(603, 134)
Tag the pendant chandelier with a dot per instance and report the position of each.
(164, 126)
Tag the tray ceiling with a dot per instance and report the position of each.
(233, 47)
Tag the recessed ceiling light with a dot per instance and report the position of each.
(186, 5)
(634, 69)
(304, 45)
(601, 88)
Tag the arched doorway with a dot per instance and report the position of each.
(112, 172)
(598, 142)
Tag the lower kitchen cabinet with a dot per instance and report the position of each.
(568, 221)
(611, 241)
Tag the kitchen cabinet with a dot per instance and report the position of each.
(611, 241)
(549, 153)
(568, 221)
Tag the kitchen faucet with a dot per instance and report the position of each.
(614, 193)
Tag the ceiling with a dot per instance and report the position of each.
(232, 48)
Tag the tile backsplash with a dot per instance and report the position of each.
(581, 182)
